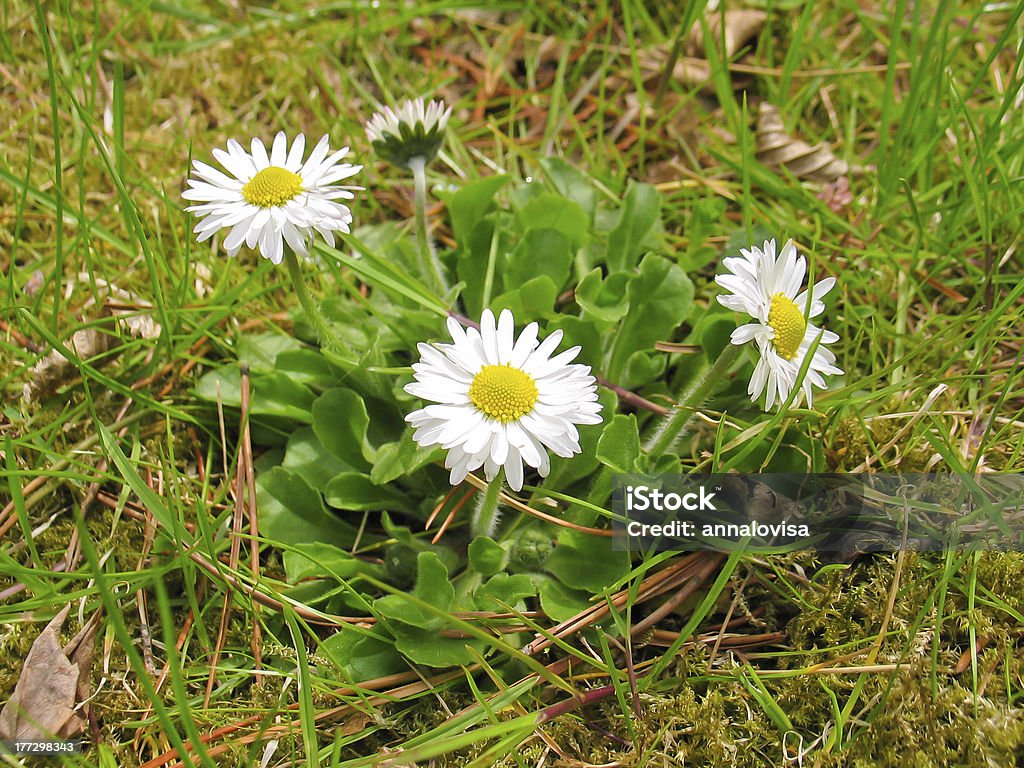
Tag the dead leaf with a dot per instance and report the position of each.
(130, 313)
(741, 26)
(54, 369)
(837, 195)
(774, 147)
(357, 723)
(53, 680)
(34, 283)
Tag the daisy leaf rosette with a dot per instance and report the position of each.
(499, 401)
(768, 288)
(414, 130)
(267, 200)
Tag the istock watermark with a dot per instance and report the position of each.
(829, 512)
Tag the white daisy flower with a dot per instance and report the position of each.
(413, 130)
(274, 198)
(501, 401)
(768, 289)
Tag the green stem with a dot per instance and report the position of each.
(429, 264)
(485, 516)
(689, 401)
(311, 310)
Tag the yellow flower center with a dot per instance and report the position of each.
(503, 392)
(788, 322)
(272, 186)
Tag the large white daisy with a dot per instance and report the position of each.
(768, 289)
(274, 198)
(501, 401)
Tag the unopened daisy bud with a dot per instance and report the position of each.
(768, 289)
(501, 401)
(273, 198)
(414, 130)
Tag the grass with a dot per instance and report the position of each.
(909, 659)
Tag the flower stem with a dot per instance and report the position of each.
(309, 307)
(689, 401)
(429, 264)
(485, 517)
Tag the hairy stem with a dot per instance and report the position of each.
(430, 266)
(690, 400)
(309, 307)
(485, 516)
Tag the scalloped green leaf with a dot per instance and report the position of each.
(292, 512)
(619, 446)
(340, 421)
(551, 211)
(585, 561)
(486, 556)
(305, 455)
(641, 213)
(539, 252)
(660, 299)
(355, 491)
(469, 204)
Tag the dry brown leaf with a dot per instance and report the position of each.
(34, 283)
(776, 148)
(357, 723)
(54, 369)
(53, 680)
(128, 311)
(741, 26)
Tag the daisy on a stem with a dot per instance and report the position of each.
(500, 402)
(768, 289)
(410, 137)
(275, 202)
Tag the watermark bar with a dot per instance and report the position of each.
(41, 747)
(844, 513)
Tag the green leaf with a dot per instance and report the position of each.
(292, 512)
(540, 252)
(260, 350)
(660, 299)
(315, 559)
(705, 221)
(571, 183)
(715, 335)
(304, 366)
(364, 655)
(604, 298)
(486, 556)
(585, 561)
(504, 590)
(340, 422)
(469, 204)
(431, 649)
(532, 299)
(306, 456)
(558, 601)
(551, 211)
(640, 213)
(355, 491)
(619, 446)
(273, 394)
(402, 458)
(643, 367)
(472, 258)
(432, 587)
